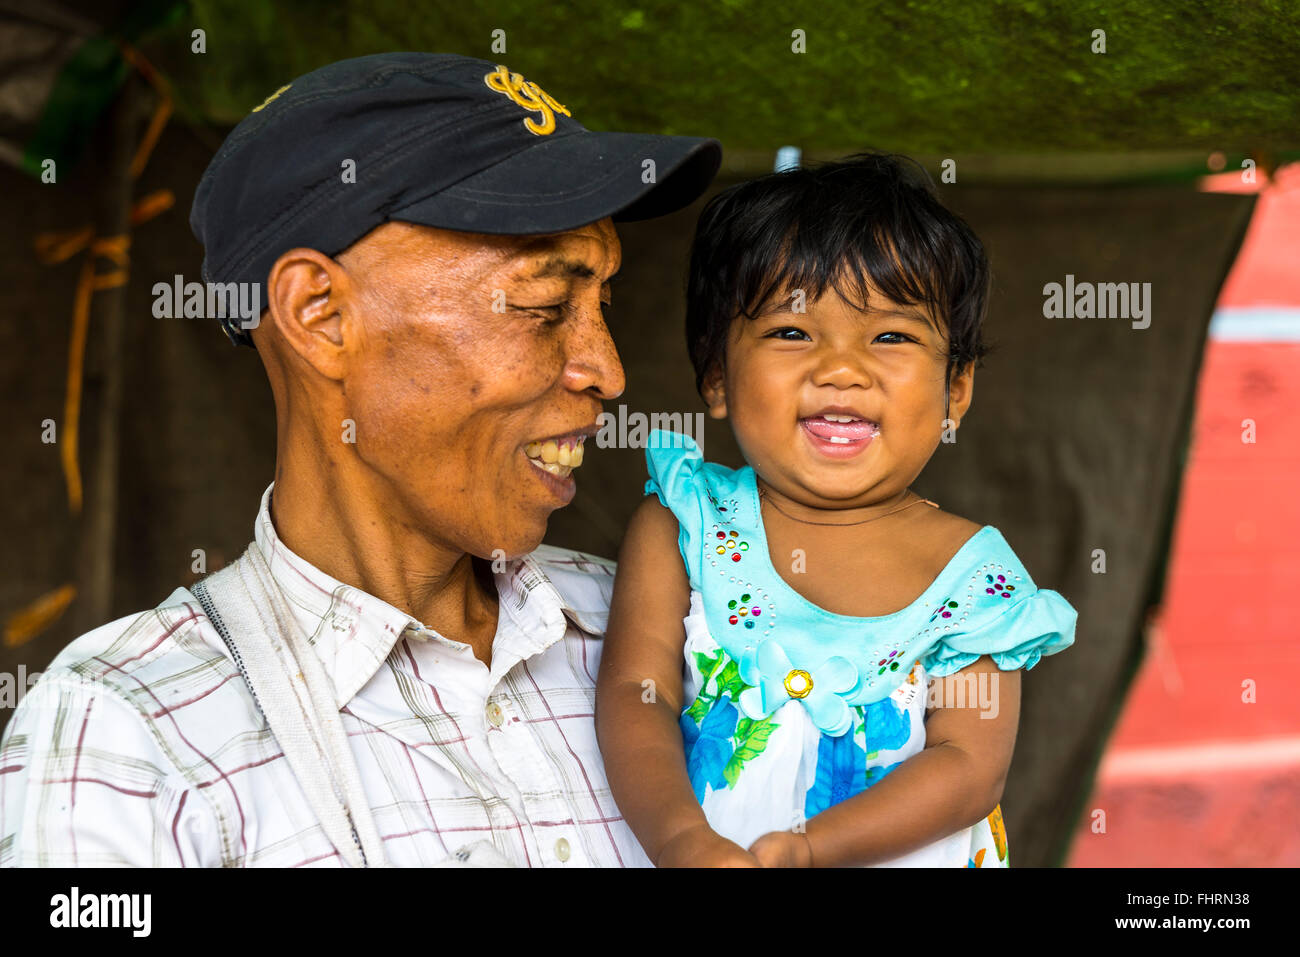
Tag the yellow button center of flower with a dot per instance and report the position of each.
(798, 683)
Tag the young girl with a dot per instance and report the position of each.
(834, 317)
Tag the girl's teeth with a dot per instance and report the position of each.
(838, 439)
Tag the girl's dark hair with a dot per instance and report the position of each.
(870, 215)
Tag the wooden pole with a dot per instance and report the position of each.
(96, 557)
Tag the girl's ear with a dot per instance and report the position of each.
(714, 393)
(961, 390)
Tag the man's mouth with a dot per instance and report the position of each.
(558, 456)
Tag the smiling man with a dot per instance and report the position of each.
(395, 672)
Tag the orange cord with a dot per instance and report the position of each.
(59, 246)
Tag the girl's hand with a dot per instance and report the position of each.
(701, 846)
(783, 849)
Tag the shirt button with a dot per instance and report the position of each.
(495, 715)
(562, 849)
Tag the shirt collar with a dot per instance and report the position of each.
(353, 632)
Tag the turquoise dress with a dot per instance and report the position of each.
(792, 708)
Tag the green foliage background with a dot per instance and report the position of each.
(927, 76)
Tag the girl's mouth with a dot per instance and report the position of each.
(839, 435)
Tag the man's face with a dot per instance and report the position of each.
(473, 352)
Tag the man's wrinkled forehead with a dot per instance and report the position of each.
(590, 252)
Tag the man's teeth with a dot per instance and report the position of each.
(558, 458)
(555, 468)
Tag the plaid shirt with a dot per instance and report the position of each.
(141, 745)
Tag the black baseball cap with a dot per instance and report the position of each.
(434, 139)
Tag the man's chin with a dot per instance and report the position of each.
(510, 549)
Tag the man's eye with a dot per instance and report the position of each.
(787, 334)
(549, 313)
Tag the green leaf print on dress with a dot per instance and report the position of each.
(721, 683)
(751, 738)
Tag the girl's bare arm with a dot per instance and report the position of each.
(954, 783)
(639, 698)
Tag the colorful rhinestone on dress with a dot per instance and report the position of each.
(715, 503)
(744, 611)
(730, 542)
(998, 586)
(943, 609)
(723, 542)
(888, 663)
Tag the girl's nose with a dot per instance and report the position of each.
(841, 369)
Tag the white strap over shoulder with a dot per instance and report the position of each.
(297, 698)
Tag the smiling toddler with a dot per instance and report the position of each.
(807, 663)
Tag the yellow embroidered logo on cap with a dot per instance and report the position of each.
(271, 97)
(528, 95)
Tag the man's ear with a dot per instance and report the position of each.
(714, 392)
(305, 293)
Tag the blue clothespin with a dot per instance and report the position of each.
(787, 157)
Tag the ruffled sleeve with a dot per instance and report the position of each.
(675, 462)
(1040, 623)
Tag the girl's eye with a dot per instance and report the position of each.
(788, 334)
(900, 335)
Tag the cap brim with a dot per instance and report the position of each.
(569, 181)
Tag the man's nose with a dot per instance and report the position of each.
(593, 364)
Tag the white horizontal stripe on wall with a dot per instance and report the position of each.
(1256, 324)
